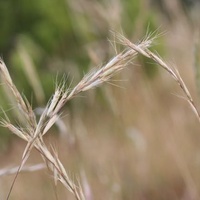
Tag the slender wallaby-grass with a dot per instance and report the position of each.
(34, 130)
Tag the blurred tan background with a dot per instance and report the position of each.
(136, 140)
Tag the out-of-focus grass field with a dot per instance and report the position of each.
(136, 141)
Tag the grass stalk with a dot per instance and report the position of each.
(35, 130)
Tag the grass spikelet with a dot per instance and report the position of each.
(172, 71)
